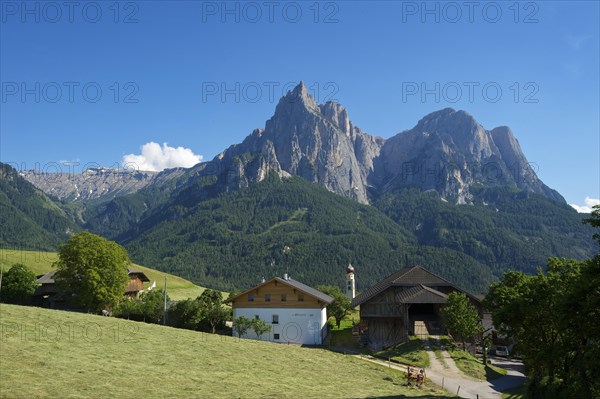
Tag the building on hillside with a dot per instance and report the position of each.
(296, 312)
(350, 282)
(405, 303)
(137, 278)
(47, 294)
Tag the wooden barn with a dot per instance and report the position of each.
(406, 303)
(137, 278)
(296, 312)
(47, 294)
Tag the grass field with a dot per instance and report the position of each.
(411, 352)
(41, 262)
(55, 354)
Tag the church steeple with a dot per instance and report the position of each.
(350, 282)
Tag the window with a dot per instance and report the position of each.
(275, 336)
(275, 319)
(283, 298)
(250, 297)
(300, 298)
(267, 297)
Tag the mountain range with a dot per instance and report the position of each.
(448, 194)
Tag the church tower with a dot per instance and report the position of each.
(350, 282)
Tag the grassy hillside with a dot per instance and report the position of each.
(41, 262)
(72, 355)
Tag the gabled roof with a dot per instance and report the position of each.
(422, 294)
(292, 283)
(141, 274)
(48, 278)
(410, 276)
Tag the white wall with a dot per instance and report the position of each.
(299, 326)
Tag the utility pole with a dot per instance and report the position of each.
(165, 304)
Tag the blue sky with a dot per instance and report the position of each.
(202, 75)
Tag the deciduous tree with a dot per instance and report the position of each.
(241, 325)
(18, 285)
(213, 313)
(461, 317)
(341, 305)
(94, 269)
(260, 327)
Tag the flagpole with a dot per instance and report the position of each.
(165, 304)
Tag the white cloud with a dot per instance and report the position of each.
(587, 208)
(157, 158)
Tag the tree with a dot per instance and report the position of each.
(594, 221)
(213, 313)
(341, 305)
(148, 308)
(461, 317)
(260, 327)
(241, 325)
(554, 317)
(18, 285)
(153, 303)
(94, 269)
(185, 314)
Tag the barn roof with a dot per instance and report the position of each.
(48, 278)
(292, 283)
(416, 276)
(141, 274)
(422, 294)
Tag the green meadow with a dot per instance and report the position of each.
(41, 262)
(57, 354)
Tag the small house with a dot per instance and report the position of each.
(296, 312)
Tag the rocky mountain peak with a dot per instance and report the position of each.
(297, 101)
(449, 151)
(337, 114)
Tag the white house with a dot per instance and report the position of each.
(296, 312)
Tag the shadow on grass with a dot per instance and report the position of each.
(411, 396)
(514, 393)
(491, 374)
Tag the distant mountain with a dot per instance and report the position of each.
(30, 220)
(316, 142)
(450, 152)
(98, 184)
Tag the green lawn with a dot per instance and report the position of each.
(55, 354)
(342, 337)
(41, 262)
(469, 364)
(411, 352)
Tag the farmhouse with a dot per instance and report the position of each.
(296, 312)
(406, 303)
(47, 294)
